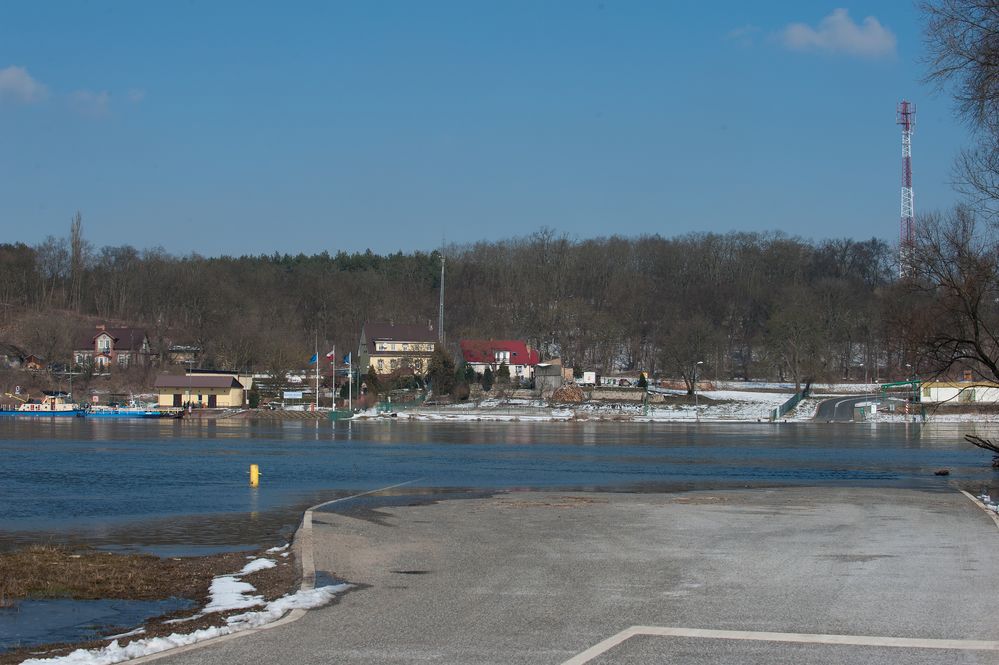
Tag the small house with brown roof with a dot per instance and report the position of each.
(105, 347)
(390, 347)
(34, 362)
(221, 390)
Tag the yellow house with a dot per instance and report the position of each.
(389, 347)
(215, 390)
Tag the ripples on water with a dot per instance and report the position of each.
(181, 486)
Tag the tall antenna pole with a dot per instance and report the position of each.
(440, 319)
(906, 117)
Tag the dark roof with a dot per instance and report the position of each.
(399, 332)
(484, 351)
(196, 381)
(125, 339)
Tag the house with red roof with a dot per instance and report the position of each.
(491, 353)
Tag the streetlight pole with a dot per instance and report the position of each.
(912, 400)
(697, 413)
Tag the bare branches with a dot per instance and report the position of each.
(984, 444)
(962, 37)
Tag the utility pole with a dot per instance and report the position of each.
(440, 319)
(906, 117)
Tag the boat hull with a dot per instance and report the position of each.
(43, 414)
(129, 414)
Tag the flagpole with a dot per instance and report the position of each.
(317, 372)
(350, 386)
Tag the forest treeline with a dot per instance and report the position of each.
(747, 305)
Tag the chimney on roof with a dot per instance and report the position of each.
(102, 327)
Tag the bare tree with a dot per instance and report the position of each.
(955, 305)
(79, 254)
(962, 38)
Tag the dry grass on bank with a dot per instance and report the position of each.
(55, 572)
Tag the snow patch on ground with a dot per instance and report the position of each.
(845, 388)
(257, 565)
(116, 653)
(229, 593)
(745, 396)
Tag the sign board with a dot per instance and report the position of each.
(17, 390)
(293, 394)
(95, 399)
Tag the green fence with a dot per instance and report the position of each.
(779, 412)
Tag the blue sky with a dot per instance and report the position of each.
(250, 127)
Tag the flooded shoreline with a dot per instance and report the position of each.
(180, 489)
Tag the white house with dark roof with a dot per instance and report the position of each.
(391, 347)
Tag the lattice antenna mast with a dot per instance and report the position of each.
(906, 118)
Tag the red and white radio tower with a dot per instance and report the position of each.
(906, 117)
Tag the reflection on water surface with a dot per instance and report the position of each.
(169, 485)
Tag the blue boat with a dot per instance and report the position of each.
(52, 405)
(125, 412)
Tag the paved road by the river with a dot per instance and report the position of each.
(540, 578)
(839, 409)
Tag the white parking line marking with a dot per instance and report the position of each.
(801, 638)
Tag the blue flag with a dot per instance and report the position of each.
(346, 359)
(314, 359)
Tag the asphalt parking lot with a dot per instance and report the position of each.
(563, 577)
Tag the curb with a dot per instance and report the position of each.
(974, 499)
(302, 544)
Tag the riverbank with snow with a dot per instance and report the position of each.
(259, 593)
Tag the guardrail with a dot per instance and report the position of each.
(780, 411)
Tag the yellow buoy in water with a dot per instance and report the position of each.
(254, 475)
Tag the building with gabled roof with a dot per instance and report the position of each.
(491, 353)
(106, 347)
(203, 388)
(390, 347)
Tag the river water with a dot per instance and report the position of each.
(181, 487)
